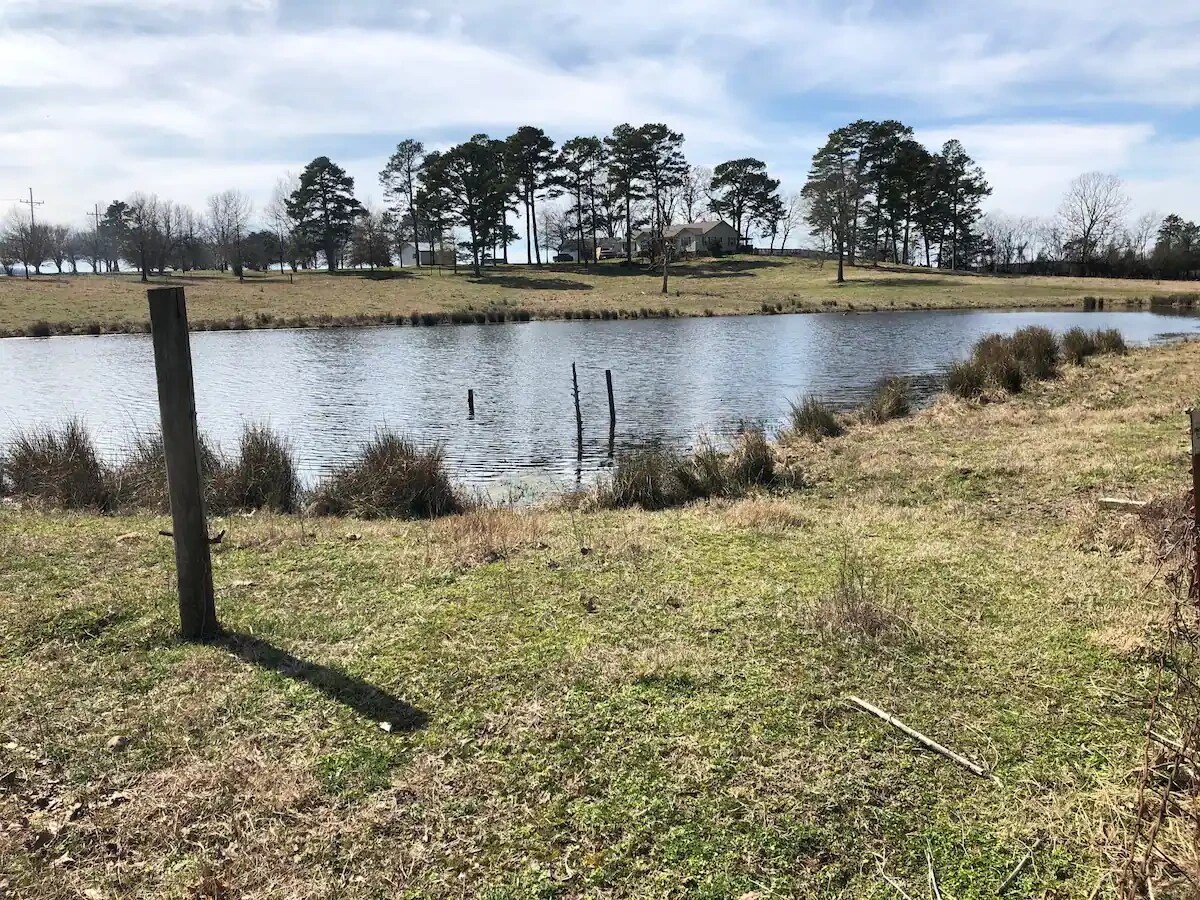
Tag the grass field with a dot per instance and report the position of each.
(52, 305)
(662, 715)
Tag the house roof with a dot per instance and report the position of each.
(603, 242)
(701, 228)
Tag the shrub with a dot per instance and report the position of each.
(654, 478)
(1037, 349)
(40, 328)
(651, 478)
(58, 467)
(391, 478)
(1078, 345)
(813, 419)
(263, 476)
(890, 400)
(998, 357)
(966, 378)
(140, 481)
(752, 461)
(1109, 340)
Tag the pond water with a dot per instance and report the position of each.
(675, 380)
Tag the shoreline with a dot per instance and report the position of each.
(520, 316)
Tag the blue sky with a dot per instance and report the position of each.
(99, 98)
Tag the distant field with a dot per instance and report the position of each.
(704, 287)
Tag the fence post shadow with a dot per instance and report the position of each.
(351, 691)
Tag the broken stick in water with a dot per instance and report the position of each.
(933, 745)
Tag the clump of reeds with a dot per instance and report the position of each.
(812, 418)
(1109, 340)
(1037, 350)
(998, 356)
(967, 378)
(1078, 344)
(390, 478)
(654, 478)
(263, 474)
(891, 399)
(58, 467)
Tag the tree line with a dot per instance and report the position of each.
(873, 194)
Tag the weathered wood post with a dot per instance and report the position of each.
(181, 445)
(1194, 423)
(470, 403)
(612, 413)
(578, 413)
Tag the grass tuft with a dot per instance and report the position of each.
(1109, 340)
(140, 480)
(1078, 344)
(813, 419)
(263, 476)
(967, 378)
(864, 603)
(58, 467)
(391, 478)
(1037, 349)
(891, 399)
(653, 478)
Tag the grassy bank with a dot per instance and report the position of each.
(735, 285)
(661, 715)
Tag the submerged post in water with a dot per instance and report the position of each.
(578, 413)
(470, 403)
(612, 413)
(181, 446)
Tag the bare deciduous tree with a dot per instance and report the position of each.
(228, 223)
(1092, 212)
(693, 192)
(1142, 234)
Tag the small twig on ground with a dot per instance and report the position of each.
(893, 883)
(1015, 873)
(1099, 884)
(933, 882)
(933, 745)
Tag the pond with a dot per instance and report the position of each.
(675, 380)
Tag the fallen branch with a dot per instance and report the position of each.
(1015, 873)
(931, 744)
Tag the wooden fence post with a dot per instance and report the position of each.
(1194, 429)
(612, 413)
(578, 414)
(177, 408)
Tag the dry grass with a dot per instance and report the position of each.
(765, 514)
(89, 304)
(661, 715)
(864, 603)
(488, 534)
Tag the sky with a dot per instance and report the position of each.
(184, 98)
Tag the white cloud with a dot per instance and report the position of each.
(186, 97)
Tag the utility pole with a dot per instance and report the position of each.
(95, 216)
(32, 227)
